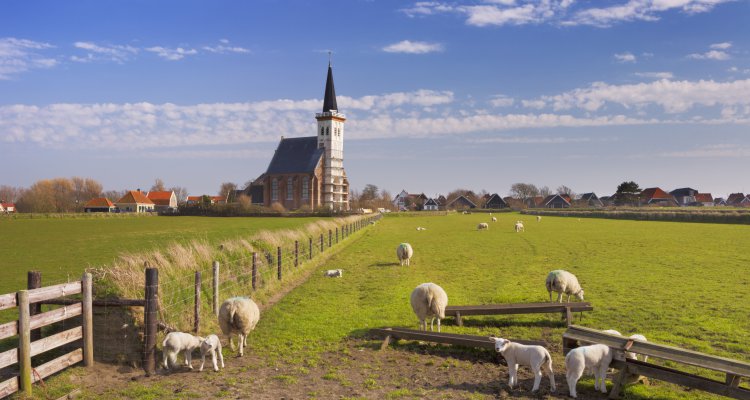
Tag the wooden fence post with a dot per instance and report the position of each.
(88, 320)
(321, 242)
(34, 281)
(310, 248)
(337, 235)
(24, 343)
(150, 316)
(197, 308)
(296, 253)
(215, 284)
(255, 270)
(278, 261)
(330, 238)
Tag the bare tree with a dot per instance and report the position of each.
(114, 195)
(545, 191)
(158, 186)
(180, 192)
(10, 194)
(523, 191)
(564, 190)
(228, 189)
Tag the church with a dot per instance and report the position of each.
(308, 171)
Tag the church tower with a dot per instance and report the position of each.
(335, 187)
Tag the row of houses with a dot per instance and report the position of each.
(7, 208)
(153, 201)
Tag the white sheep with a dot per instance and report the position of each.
(238, 315)
(429, 300)
(334, 273)
(596, 357)
(483, 226)
(176, 342)
(538, 218)
(211, 344)
(519, 227)
(636, 336)
(561, 282)
(535, 357)
(404, 252)
(494, 219)
(419, 228)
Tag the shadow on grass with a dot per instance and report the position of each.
(485, 389)
(384, 264)
(509, 322)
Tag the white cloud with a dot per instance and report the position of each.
(20, 55)
(655, 75)
(531, 140)
(538, 104)
(711, 55)
(171, 54)
(409, 47)
(223, 48)
(502, 101)
(719, 151)
(639, 10)
(95, 52)
(721, 46)
(625, 57)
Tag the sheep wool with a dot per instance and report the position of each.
(563, 282)
(404, 252)
(238, 315)
(429, 300)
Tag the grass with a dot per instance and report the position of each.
(676, 283)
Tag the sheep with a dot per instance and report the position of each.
(494, 219)
(519, 226)
(404, 252)
(176, 342)
(561, 282)
(482, 226)
(538, 218)
(637, 336)
(535, 357)
(211, 344)
(419, 228)
(596, 357)
(238, 315)
(334, 273)
(429, 300)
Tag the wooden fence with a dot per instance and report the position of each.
(26, 301)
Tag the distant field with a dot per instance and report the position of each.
(62, 247)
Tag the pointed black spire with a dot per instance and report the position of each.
(329, 101)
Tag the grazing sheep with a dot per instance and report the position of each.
(334, 273)
(561, 282)
(596, 357)
(238, 315)
(494, 219)
(538, 218)
(482, 226)
(176, 342)
(419, 228)
(211, 344)
(404, 252)
(640, 337)
(429, 300)
(519, 227)
(535, 357)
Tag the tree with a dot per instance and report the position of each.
(180, 192)
(84, 189)
(158, 186)
(10, 194)
(523, 191)
(369, 193)
(627, 193)
(545, 191)
(229, 190)
(564, 190)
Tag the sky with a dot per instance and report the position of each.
(438, 95)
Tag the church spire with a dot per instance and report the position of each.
(329, 102)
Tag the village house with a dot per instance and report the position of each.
(534, 202)
(430, 205)
(7, 208)
(409, 201)
(656, 196)
(99, 204)
(684, 196)
(704, 199)
(495, 202)
(719, 201)
(196, 200)
(589, 200)
(461, 202)
(163, 200)
(735, 199)
(135, 201)
(556, 201)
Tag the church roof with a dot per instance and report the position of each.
(296, 155)
(329, 101)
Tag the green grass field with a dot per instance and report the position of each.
(677, 283)
(65, 247)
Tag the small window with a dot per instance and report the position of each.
(289, 188)
(305, 187)
(274, 189)
(328, 131)
(322, 130)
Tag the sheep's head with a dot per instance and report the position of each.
(580, 295)
(500, 344)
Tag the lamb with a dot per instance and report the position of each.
(238, 315)
(482, 226)
(561, 282)
(637, 336)
(404, 252)
(176, 342)
(535, 357)
(519, 226)
(596, 357)
(538, 218)
(211, 344)
(429, 300)
(334, 273)
(419, 228)
(494, 219)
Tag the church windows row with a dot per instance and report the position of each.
(274, 189)
(305, 188)
(289, 189)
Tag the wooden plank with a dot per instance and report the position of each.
(50, 317)
(7, 301)
(99, 303)
(8, 357)
(72, 395)
(24, 344)
(517, 308)
(56, 340)
(8, 387)
(51, 292)
(8, 329)
(87, 322)
(58, 364)
(651, 349)
(446, 338)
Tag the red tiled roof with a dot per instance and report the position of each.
(218, 198)
(194, 198)
(160, 198)
(735, 198)
(99, 202)
(135, 197)
(8, 205)
(655, 194)
(704, 198)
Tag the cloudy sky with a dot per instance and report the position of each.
(439, 95)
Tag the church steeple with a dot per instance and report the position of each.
(329, 101)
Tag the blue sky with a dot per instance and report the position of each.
(439, 95)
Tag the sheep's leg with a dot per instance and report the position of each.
(551, 374)
(213, 361)
(559, 297)
(231, 343)
(164, 356)
(242, 345)
(603, 378)
(572, 376)
(550, 295)
(189, 358)
(203, 360)
(512, 371)
(537, 379)
(221, 356)
(438, 324)
(568, 298)
(432, 322)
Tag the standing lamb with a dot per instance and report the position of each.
(404, 253)
(211, 344)
(535, 357)
(561, 282)
(596, 357)
(642, 338)
(429, 300)
(538, 218)
(494, 219)
(334, 273)
(519, 226)
(482, 226)
(238, 315)
(176, 342)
